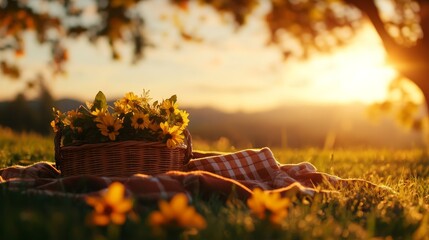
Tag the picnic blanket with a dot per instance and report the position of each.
(208, 174)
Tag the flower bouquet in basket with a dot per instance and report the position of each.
(133, 136)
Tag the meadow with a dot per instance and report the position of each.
(352, 213)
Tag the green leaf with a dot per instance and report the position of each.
(84, 111)
(173, 98)
(100, 101)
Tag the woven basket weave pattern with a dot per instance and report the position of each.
(121, 159)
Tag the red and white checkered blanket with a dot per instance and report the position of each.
(223, 175)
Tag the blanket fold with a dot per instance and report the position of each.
(237, 172)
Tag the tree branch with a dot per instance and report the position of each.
(370, 9)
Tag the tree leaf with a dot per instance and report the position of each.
(100, 101)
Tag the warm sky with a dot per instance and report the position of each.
(229, 72)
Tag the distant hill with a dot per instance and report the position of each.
(302, 126)
(67, 104)
(292, 126)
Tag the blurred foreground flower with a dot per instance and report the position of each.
(111, 206)
(177, 214)
(266, 205)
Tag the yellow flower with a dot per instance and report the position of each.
(154, 110)
(111, 206)
(56, 121)
(54, 125)
(140, 120)
(131, 100)
(184, 119)
(177, 213)
(109, 126)
(71, 117)
(170, 107)
(73, 114)
(173, 135)
(98, 112)
(121, 108)
(153, 114)
(267, 205)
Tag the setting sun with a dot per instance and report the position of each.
(356, 73)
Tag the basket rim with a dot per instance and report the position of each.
(120, 143)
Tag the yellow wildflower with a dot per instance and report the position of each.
(109, 126)
(153, 114)
(121, 108)
(67, 122)
(111, 206)
(131, 100)
(177, 213)
(98, 112)
(267, 205)
(73, 114)
(56, 121)
(170, 107)
(184, 119)
(140, 120)
(70, 118)
(154, 110)
(54, 125)
(173, 135)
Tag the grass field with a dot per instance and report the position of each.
(353, 213)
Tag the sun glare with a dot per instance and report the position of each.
(355, 73)
(364, 77)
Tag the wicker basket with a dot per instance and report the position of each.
(120, 159)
